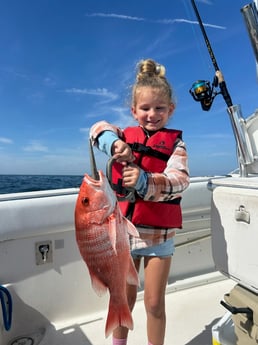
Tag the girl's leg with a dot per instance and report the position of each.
(156, 271)
(121, 332)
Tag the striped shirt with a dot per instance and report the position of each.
(160, 186)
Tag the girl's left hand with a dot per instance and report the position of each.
(131, 173)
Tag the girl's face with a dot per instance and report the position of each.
(152, 109)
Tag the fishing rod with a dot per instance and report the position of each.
(204, 93)
(201, 90)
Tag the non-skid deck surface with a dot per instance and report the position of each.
(191, 313)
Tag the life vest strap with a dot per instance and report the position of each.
(149, 151)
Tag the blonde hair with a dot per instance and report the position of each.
(151, 74)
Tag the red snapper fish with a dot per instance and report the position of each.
(102, 235)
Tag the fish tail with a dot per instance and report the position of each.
(118, 315)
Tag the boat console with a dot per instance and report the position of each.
(234, 219)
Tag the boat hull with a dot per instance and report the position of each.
(52, 290)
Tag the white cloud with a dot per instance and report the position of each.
(49, 81)
(5, 140)
(35, 146)
(114, 15)
(85, 130)
(207, 2)
(157, 21)
(172, 21)
(214, 136)
(102, 92)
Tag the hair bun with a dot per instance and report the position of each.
(151, 74)
(150, 68)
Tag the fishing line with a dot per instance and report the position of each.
(203, 57)
(206, 39)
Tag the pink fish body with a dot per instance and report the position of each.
(103, 241)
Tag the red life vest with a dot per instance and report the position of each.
(151, 154)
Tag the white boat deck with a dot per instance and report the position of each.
(193, 307)
(53, 301)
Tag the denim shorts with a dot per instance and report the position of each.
(164, 249)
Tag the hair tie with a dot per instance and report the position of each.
(160, 70)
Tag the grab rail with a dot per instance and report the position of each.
(7, 307)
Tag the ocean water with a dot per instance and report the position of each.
(29, 183)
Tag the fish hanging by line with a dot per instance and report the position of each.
(102, 235)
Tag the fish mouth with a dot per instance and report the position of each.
(93, 181)
(89, 179)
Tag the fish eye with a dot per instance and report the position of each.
(85, 201)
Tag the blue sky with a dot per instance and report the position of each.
(66, 64)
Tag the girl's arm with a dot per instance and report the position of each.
(103, 135)
(173, 181)
(109, 139)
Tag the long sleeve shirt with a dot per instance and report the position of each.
(150, 186)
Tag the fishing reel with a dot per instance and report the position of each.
(202, 91)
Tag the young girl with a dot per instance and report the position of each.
(154, 163)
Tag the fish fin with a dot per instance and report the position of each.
(97, 285)
(112, 231)
(131, 229)
(132, 277)
(118, 315)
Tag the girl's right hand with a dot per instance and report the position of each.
(122, 152)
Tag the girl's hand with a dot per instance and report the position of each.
(122, 152)
(131, 174)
